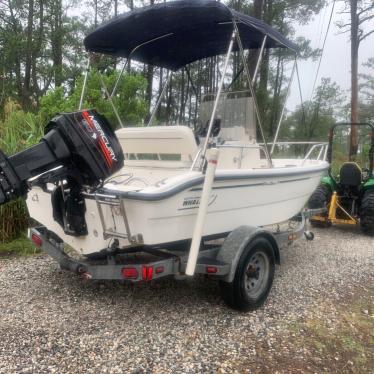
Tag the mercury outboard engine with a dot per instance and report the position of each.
(78, 152)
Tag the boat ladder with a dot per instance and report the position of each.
(116, 203)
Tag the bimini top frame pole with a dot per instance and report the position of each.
(129, 58)
(259, 59)
(235, 36)
(84, 83)
(284, 107)
(253, 94)
(211, 121)
(158, 103)
(112, 94)
(109, 97)
(119, 77)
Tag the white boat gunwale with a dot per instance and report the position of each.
(219, 177)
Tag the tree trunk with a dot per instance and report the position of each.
(263, 84)
(129, 62)
(160, 86)
(149, 76)
(115, 15)
(26, 99)
(95, 15)
(17, 58)
(149, 91)
(115, 8)
(36, 53)
(276, 97)
(169, 101)
(57, 42)
(353, 148)
(182, 101)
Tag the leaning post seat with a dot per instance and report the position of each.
(350, 174)
(144, 145)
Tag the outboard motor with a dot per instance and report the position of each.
(78, 152)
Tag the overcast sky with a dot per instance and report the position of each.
(336, 57)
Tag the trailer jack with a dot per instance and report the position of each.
(331, 217)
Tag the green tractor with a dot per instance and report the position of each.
(349, 195)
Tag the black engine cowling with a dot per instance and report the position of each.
(79, 150)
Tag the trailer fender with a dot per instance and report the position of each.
(237, 241)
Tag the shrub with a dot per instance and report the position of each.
(18, 130)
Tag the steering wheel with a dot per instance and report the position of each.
(365, 173)
(200, 129)
(216, 127)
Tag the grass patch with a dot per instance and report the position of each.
(18, 247)
(344, 344)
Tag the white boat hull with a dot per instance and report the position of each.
(256, 202)
(257, 198)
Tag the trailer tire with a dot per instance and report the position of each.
(253, 277)
(320, 199)
(367, 212)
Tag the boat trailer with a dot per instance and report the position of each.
(141, 264)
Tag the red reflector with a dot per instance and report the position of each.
(37, 240)
(144, 272)
(130, 273)
(147, 272)
(150, 273)
(211, 269)
(159, 270)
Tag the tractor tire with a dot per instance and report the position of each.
(367, 212)
(320, 199)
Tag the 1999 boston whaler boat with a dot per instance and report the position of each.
(169, 188)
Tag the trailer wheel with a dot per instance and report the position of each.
(253, 277)
(367, 212)
(320, 199)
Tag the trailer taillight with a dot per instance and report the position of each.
(211, 269)
(36, 240)
(159, 269)
(130, 273)
(147, 273)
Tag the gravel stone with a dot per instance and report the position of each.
(52, 321)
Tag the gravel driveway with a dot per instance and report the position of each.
(51, 321)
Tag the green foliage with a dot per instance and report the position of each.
(129, 100)
(53, 102)
(340, 153)
(313, 120)
(18, 130)
(13, 220)
(366, 90)
(367, 80)
(21, 246)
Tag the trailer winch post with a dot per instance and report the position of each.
(212, 154)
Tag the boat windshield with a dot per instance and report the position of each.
(235, 113)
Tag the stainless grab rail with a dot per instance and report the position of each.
(322, 154)
(247, 146)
